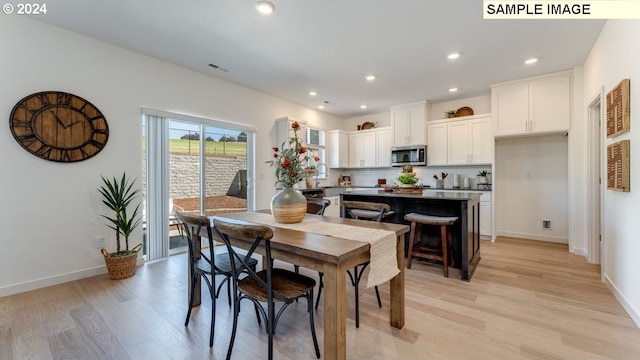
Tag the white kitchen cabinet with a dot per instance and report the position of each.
(470, 142)
(485, 218)
(437, 144)
(460, 142)
(550, 105)
(481, 141)
(337, 149)
(284, 131)
(408, 124)
(334, 208)
(532, 106)
(362, 149)
(510, 106)
(370, 148)
(485, 209)
(383, 147)
(486, 228)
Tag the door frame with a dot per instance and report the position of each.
(596, 114)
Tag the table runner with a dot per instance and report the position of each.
(383, 263)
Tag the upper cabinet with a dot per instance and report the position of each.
(534, 106)
(337, 149)
(465, 141)
(359, 149)
(284, 132)
(370, 148)
(437, 144)
(481, 143)
(408, 124)
(383, 147)
(362, 149)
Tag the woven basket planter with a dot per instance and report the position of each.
(121, 267)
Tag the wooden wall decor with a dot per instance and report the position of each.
(618, 166)
(58, 126)
(618, 112)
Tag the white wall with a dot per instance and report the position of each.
(532, 178)
(613, 58)
(49, 216)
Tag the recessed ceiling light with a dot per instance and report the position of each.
(531, 61)
(453, 89)
(453, 56)
(320, 106)
(363, 106)
(370, 77)
(313, 93)
(265, 7)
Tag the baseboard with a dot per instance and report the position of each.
(581, 252)
(554, 239)
(56, 279)
(628, 307)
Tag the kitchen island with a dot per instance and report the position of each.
(466, 231)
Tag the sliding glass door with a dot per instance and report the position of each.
(184, 177)
(197, 166)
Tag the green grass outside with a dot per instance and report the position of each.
(179, 146)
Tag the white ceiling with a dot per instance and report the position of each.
(330, 45)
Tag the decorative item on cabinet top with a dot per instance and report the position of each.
(463, 111)
(367, 125)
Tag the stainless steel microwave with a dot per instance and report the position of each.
(409, 155)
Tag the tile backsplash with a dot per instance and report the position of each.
(369, 177)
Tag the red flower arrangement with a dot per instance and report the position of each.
(290, 160)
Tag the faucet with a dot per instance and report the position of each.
(315, 186)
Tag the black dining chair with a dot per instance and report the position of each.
(364, 211)
(361, 210)
(317, 206)
(271, 285)
(206, 264)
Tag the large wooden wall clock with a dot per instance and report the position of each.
(59, 126)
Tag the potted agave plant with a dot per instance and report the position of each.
(407, 178)
(118, 195)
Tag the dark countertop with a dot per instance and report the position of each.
(426, 194)
(337, 190)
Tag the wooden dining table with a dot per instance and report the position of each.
(333, 256)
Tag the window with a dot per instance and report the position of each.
(316, 147)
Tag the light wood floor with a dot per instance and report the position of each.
(527, 300)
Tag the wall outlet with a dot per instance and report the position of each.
(546, 224)
(100, 242)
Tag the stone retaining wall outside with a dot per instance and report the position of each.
(185, 181)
